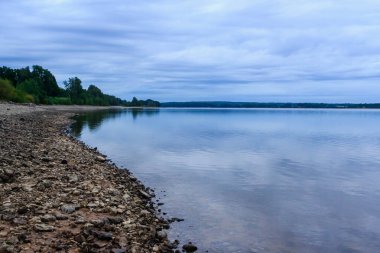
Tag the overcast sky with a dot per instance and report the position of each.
(178, 50)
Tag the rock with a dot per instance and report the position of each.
(64, 161)
(68, 208)
(23, 238)
(174, 219)
(73, 178)
(189, 247)
(22, 210)
(44, 184)
(48, 218)
(121, 250)
(93, 204)
(46, 159)
(7, 175)
(27, 187)
(146, 195)
(115, 220)
(43, 228)
(104, 236)
(100, 159)
(19, 221)
(80, 220)
(61, 216)
(162, 234)
(99, 245)
(98, 223)
(144, 212)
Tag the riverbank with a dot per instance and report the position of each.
(56, 194)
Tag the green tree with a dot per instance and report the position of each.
(30, 86)
(75, 90)
(46, 80)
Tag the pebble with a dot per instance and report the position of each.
(43, 228)
(189, 247)
(68, 208)
(48, 218)
(51, 182)
(162, 234)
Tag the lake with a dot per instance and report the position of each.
(253, 180)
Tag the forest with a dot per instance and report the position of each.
(38, 85)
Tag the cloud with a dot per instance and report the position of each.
(190, 50)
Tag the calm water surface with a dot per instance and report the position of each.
(253, 180)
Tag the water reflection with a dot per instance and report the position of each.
(256, 180)
(94, 119)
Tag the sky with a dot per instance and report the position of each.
(215, 50)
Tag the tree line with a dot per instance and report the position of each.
(38, 85)
(274, 105)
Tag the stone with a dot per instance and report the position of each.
(93, 204)
(22, 210)
(162, 234)
(189, 247)
(46, 159)
(68, 208)
(115, 220)
(144, 212)
(73, 178)
(100, 159)
(104, 236)
(19, 221)
(121, 250)
(43, 228)
(48, 218)
(126, 196)
(98, 223)
(7, 175)
(146, 195)
(61, 216)
(80, 220)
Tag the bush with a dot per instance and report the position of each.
(10, 93)
(30, 87)
(59, 101)
(7, 91)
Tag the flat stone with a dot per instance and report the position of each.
(121, 250)
(100, 159)
(104, 236)
(19, 221)
(43, 228)
(146, 195)
(115, 220)
(48, 218)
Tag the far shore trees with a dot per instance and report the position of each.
(40, 86)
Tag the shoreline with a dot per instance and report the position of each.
(57, 194)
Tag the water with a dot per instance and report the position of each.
(250, 180)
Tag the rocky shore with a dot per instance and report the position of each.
(56, 194)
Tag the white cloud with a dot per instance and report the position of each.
(185, 50)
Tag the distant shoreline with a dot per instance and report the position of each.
(269, 105)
